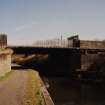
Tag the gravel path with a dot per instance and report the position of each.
(12, 89)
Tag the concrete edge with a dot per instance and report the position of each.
(48, 100)
(6, 51)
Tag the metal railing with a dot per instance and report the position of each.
(52, 43)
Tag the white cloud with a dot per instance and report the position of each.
(24, 27)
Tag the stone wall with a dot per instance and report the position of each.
(87, 60)
(74, 41)
(5, 55)
(5, 61)
(92, 44)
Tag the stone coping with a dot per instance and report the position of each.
(6, 51)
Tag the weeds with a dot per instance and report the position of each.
(6, 75)
(33, 92)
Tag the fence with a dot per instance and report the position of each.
(52, 43)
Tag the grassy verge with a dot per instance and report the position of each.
(33, 92)
(6, 75)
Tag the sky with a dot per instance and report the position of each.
(26, 21)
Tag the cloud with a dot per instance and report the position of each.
(24, 27)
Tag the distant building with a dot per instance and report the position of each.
(73, 41)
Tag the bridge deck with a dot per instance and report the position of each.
(32, 49)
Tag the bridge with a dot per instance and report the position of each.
(78, 56)
(41, 50)
(44, 50)
(74, 60)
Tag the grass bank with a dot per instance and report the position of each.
(33, 91)
(6, 76)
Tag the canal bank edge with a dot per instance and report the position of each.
(35, 92)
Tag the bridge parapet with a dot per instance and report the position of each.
(92, 44)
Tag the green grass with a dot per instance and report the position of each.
(1, 49)
(33, 92)
(6, 76)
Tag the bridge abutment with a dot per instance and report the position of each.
(5, 56)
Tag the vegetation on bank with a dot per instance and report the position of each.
(33, 93)
(6, 75)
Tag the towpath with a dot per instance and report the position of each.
(12, 88)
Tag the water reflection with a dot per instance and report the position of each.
(70, 92)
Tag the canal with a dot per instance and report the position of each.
(73, 92)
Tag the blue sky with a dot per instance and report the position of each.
(26, 21)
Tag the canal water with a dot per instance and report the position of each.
(72, 92)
